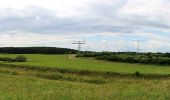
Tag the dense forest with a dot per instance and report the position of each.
(36, 50)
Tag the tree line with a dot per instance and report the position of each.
(131, 57)
(36, 50)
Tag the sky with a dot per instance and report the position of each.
(105, 25)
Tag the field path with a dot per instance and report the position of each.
(72, 56)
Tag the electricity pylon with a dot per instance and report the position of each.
(79, 43)
(138, 46)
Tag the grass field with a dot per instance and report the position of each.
(20, 84)
(24, 83)
(64, 61)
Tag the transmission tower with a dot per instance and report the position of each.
(78, 43)
(138, 46)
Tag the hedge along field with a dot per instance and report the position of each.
(67, 61)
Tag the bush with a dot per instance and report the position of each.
(79, 55)
(137, 73)
(165, 61)
(130, 60)
(20, 58)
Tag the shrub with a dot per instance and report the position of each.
(79, 55)
(20, 58)
(137, 73)
(164, 61)
(130, 60)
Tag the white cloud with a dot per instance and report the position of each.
(144, 13)
(62, 7)
(57, 22)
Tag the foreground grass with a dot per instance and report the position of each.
(25, 84)
(63, 61)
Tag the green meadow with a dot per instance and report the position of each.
(22, 83)
(70, 62)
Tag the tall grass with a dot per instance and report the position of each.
(22, 84)
(86, 72)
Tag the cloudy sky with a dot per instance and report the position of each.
(105, 25)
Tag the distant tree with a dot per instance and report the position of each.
(149, 57)
(20, 58)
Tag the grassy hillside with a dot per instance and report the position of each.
(66, 61)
